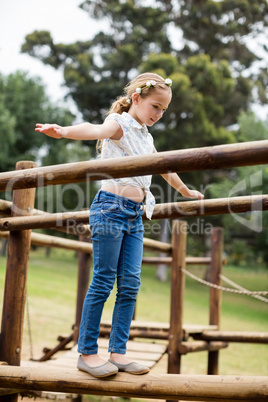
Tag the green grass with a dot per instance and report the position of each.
(52, 296)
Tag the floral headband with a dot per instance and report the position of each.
(149, 84)
(153, 83)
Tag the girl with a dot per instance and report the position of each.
(115, 218)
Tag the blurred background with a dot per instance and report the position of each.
(66, 61)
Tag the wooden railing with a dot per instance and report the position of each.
(27, 177)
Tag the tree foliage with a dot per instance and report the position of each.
(23, 103)
(200, 45)
(247, 180)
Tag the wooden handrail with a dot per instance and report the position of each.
(168, 260)
(185, 160)
(200, 346)
(39, 239)
(44, 240)
(235, 336)
(171, 210)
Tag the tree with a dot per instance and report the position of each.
(250, 227)
(200, 45)
(23, 103)
(7, 124)
(213, 52)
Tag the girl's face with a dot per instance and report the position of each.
(150, 109)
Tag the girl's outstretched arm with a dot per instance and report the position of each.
(84, 131)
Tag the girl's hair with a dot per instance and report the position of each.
(124, 102)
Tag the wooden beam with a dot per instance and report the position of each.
(185, 160)
(40, 239)
(139, 333)
(200, 346)
(153, 386)
(45, 221)
(179, 240)
(19, 244)
(156, 245)
(168, 260)
(5, 210)
(61, 345)
(157, 260)
(16, 276)
(188, 329)
(215, 294)
(84, 263)
(216, 206)
(235, 336)
(173, 210)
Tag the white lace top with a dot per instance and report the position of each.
(136, 140)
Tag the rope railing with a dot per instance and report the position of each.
(213, 285)
(236, 286)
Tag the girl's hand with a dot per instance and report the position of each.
(51, 130)
(193, 194)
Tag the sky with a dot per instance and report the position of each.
(66, 22)
(62, 18)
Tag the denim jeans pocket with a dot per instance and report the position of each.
(111, 210)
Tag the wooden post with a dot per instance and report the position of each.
(179, 235)
(215, 294)
(84, 260)
(16, 279)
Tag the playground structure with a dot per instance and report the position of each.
(169, 386)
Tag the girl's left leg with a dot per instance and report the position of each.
(128, 284)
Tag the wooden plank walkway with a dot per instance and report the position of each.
(141, 352)
(148, 353)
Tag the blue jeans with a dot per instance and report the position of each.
(117, 240)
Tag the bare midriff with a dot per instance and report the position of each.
(134, 193)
